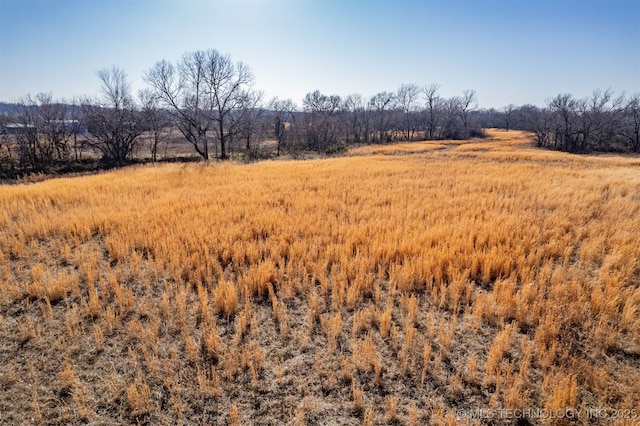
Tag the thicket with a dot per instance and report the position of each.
(600, 123)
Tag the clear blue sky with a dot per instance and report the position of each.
(509, 51)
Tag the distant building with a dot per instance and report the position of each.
(20, 129)
(16, 129)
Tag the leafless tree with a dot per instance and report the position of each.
(114, 121)
(406, 96)
(249, 123)
(432, 98)
(155, 121)
(28, 146)
(600, 117)
(380, 105)
(45, 128)
(450, 111)
(563, 109)
(540, 122)
(322, 124)
(630, 130)
(468, 103)
(181, 89)
(229, 87)
(507, 114)
(283, 121)
(602, 122)
(54, 126)
(203, 92)
(356, 118)
(7, 161)
(78, 127)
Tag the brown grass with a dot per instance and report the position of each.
(398, 148)
(368, 289)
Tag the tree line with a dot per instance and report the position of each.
(210, 103)
(602, 122)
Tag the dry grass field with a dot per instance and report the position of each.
(400, 148)
(424, 288)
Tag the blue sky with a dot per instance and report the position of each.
(516, 51)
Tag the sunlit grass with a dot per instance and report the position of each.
(398, 148)
(374, 288)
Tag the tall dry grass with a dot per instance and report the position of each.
(374, 288)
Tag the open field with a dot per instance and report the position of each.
(370, 289)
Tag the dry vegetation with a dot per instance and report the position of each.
(361, 290)
(401, 148)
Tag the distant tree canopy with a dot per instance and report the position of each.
(211, 101)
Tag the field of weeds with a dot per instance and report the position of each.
(424, 288)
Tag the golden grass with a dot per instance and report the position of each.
(398, 148)
(496, 140)
(373, 288)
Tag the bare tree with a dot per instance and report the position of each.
(431, 96)
(44, 130)
(507, 114)
(204, 92)
(540, 122)
(28, 146)
(114, 121)
(155, 121)
(406, 96)
(468, 103)
(7, 160)
(380, 105)
(601, 122)
(450, 111)
(630, 130)
(600, 117)
(283, 121)
(563, 109)
(78, 126)
(182, 91)
(249, 123)
(322, 125)
(356, 118)
(229, 87)
(54, 126)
